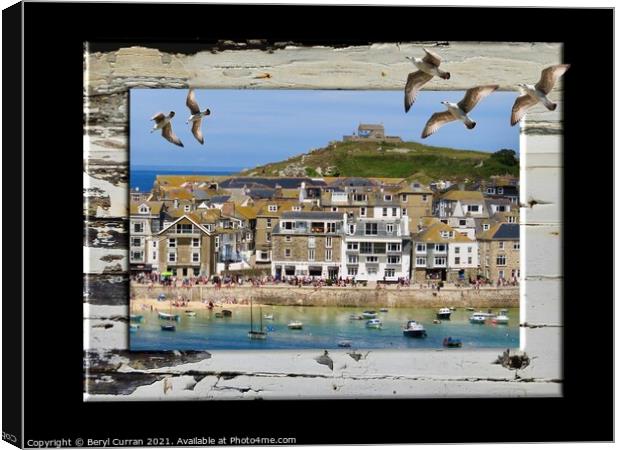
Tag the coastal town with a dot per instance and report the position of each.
(327, 230)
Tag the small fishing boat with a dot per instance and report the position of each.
(295, 325)
(190, 313)
(168, 327)
(501, 318)
(374, 323)
(136, 318)
(369, 315)
(355, 317)
(268, 317)
(133, 327)
(478, 318)
(414, 329)
(383, 310)
(226, 313)
(166, 316)
(256, 334)
(450, 342)
(444, 313)
(345, 343)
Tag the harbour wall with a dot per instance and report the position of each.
(504, 297)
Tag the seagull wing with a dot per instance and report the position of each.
(158, 117)
(474, 95)
(436, 121)
(549, 76)
(431, 58)
(522, 104)
(197, 132)
(169, 135)
(191, 102)
(415, 81)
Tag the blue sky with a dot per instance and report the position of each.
(251, 127)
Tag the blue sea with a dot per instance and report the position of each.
(143, 178)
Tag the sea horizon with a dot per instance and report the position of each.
(143, 177)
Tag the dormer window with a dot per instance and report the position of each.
(500, 190)
(485, 226)
(387, 198)
(143, 209)
(296, 208)
(273, 208)
(187, 208)
(490, 190)
(445, 234)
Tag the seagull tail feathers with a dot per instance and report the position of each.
(470, 125)
(552, 106)
(445, 75)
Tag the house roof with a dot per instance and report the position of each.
(312, 215)
(155, 207)
(433, 234)
(463, 196)
(501, 231)
(192, 218)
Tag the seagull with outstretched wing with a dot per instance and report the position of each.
(164, 123)
(196, 115)
(428, 67)
(532, 95)
(458, 111)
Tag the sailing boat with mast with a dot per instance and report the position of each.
(168, 317)
(260, 335)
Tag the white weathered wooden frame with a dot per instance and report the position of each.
(114, 373)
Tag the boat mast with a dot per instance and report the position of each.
(261, 318)
(251, 321)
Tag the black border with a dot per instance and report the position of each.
(54, 37)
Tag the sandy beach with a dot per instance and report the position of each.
(142, 304)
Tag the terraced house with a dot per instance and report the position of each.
(145, 219)
(500, 252)
(308, 243)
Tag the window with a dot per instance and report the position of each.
(288, 238)
(195, 242)
(328, 242)
(485, 226)
(390, 272)
(264, 255)
(500, 191)
(154, 255)
(334, 209)
(394, 212)
(445, 234)
(392, 259)
(389, 228)
(500, 273)
(516, 245)
(154, 244)
(501, 208)
(363, 212)
(351, 228)
(328, 254)
(268, 237)
(288, 225)
(352, 245)
(138, 227)
(331, 227)
(424, 197)
(272, 208)
(469, 260)
(144, 209)
(353, 259)
(501, 245)
(473, 208)
(384, 212)
(403, 197)
(372, 259)
(394, 247)
(371, 270)
(217, 241)
(360, 197)
(462, 222)
(511, 219)
(287, 252)
(185, 228)
(387, 198)
(311, 254)
(311, 242)
(187, 208)
(420, 261)
(440, 247)
(172, 243)
(296, 208)
(371, 228)
(136, 256)
(352, 271)
(469, 249)
(268, 223)
(420, 247)
(195, 257)
(404, 212)
(136, 242)
(366, 247)
(172, 257)
(457, 260)
(440, 261)
(379, 248)
(457, 249)
(501, 260)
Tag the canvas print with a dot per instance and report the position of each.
(294, 219)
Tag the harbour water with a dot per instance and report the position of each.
(323, 328)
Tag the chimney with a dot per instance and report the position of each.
(228, 208)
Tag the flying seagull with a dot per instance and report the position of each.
(428, 68)
(163, 123)
(458, 111)
(196, 116)
(538, 93)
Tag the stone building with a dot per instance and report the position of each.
(145, 220)
(500, 252)
(371, 132)
(308, 243)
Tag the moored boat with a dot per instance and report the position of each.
(295, 325)
(226, 313)
(369, 315)
(168, 327)
(166, 316)
(414, 329)
(478, 318)
(383, 310)
(374, 323)
(452, 342)
(355, 317)
(190, 313)
(268, 317)
(255, 334)
(444, 313)
(344, 343)
(501, 318)
(133, 327)
(136, 318)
